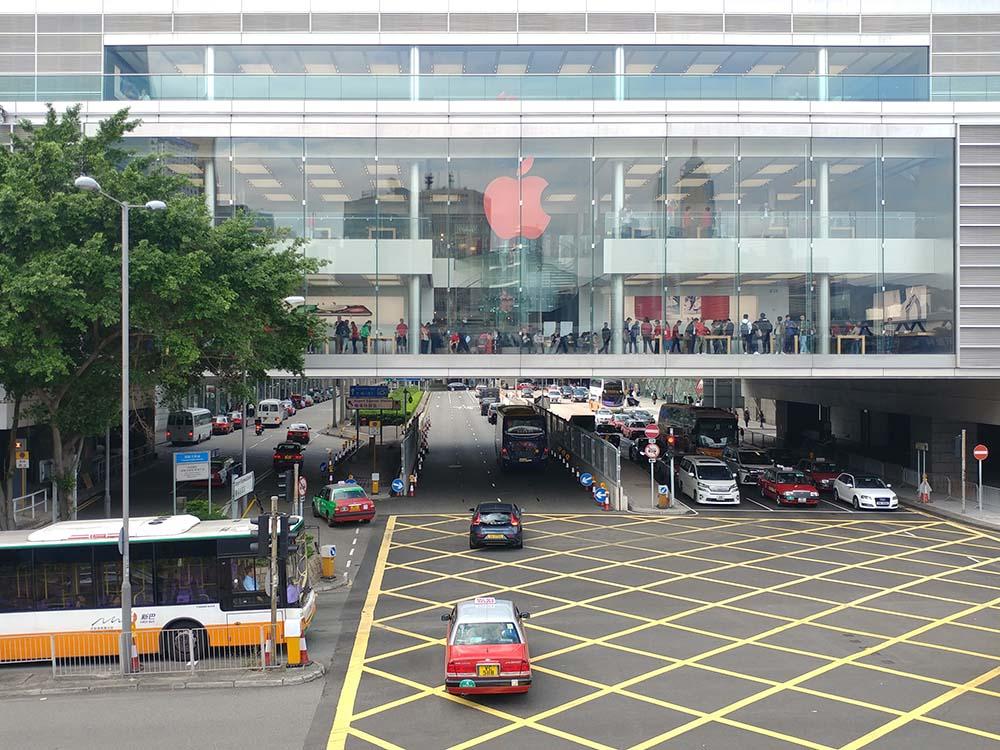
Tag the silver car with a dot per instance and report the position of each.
(747, 465)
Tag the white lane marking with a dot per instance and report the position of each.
(348, 563)
(750, 499)
(840, 508)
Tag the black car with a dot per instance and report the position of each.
(286, 455)
(782, 457)
(496, 524)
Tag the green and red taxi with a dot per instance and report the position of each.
(788, 486)
(343, 502)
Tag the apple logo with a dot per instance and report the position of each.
(502, 205)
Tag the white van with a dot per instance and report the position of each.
(271, 412)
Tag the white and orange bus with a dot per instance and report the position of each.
(64, 580)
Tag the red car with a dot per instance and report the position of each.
(286, 455)
(486, 650)
(297, 401)
(633, 428)
(298, 433)
(821, 472)
(236, 418)
(788, 487)
(221, 425)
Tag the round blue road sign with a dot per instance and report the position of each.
(397, 485)
(600, 496)
(351, 481)
(586, 479)
(663, 489)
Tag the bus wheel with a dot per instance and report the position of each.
(176, 641)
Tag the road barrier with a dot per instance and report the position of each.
(580, 451)
(177, 650)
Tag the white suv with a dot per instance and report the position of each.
(707, 480)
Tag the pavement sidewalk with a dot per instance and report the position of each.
(951, 508)
(35, 680)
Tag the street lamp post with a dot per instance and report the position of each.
(91, 185)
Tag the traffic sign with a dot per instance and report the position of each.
(663, 489)
(397, 485)
(652, 431)
(981, 452)
(242, 485)
(192, 466)
(601, 495)
(586, 479)
(22, 460)
(302, 487)
(369, 391)
(652, 451)
(372, 403)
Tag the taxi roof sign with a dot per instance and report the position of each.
(485, 600)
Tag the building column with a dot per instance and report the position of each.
(617, 279)
(209, 180)
(619, 73)
(413, 339)
(414, 73)
(822, 283)
(209, 72)
(823, 71)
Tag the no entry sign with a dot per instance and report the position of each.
(652, 431)
(981, 452)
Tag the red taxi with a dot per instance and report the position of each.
(222, 425)
(821, 472)
(486, 650)
(236, 418)
(788, 486)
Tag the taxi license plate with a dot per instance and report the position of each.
(495, 536)
(524, 460)
(355, 507)
(803, 500)
(488, 670)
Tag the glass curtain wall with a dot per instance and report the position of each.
(645, 247)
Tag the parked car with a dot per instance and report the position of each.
(580, 395)
(297, 400)
(707, 480)
(746, 464)
(554, 394)
(865, 491)
(788, 487)
(298, 432)
(457, 386)
(633, 428)
(567, 392)
(823, 473)
(286, 455)
(221, 425)
(289, 408)
(603, 416)
(496, 524)
(486, 650)
(342, 502)
(491, 413)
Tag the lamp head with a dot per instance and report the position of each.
(83, 182)
(156, 205)
(294, 301)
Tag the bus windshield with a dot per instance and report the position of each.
(524, 426)
(716, 431)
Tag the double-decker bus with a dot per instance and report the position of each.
(60, 586)
(609, 394)
(521, 437)
(698, 429)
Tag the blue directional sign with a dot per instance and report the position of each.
(663, 489)
(397, 485)
(586, 479)
(369, 391)
(198, 457)
(600, 496)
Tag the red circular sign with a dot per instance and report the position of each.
(652, 431)
(981, 452)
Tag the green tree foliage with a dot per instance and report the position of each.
(204, 298)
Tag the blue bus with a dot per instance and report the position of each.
(521, 437)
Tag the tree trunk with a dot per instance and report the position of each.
(64, 460)
(7, 484)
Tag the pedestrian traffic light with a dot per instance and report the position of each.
(261, 547)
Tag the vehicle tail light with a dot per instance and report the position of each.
(514, 521)
(503, 451)
(524, 666)
(168, 433)
(452, 667)
(475, 520)
(545, 451)
(190, 434)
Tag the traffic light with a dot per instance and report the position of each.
(289, 487)
(671, 440)
(261, 547)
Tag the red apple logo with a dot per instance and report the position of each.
(501, 202)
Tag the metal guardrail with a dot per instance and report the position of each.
(173, 651)
(596, 454)
(27, 507)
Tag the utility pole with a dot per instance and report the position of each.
(963, 470)
(274, 574)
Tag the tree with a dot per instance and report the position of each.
(204, 298)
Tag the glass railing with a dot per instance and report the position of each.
(75, 87)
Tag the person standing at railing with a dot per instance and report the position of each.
(366, 332)
(746, 333)
(402, 331)
(657, 336)
(605, 339)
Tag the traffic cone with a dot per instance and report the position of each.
(304, 652)
(135, 666)
(413, 485)
(267, 653)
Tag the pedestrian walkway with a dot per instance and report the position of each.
(951, 507)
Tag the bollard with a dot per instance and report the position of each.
(328, 560)
(293, 631)
(413, 484)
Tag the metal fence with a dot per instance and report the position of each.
(174, 651)
(601, 457)
(28, 508)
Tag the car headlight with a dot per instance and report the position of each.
(813, 494)
(866, 497)
(789, 494)
(733, 488)
(703, 487)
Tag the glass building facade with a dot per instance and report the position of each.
(506, 243)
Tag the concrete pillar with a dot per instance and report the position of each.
(413, 339)
(822, 281)
(210, 186)
(209, 72)
(617, 279)
(414, 73)
(619, 73)
(823, 71)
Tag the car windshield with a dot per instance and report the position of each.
(714, 473)
(299, 427)
(753, 457)
(485, 634)
(579, 391)
(825, 467)
(871, 483)
(348, 493)
(494, 518)
(288, 447)
(792, 477)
